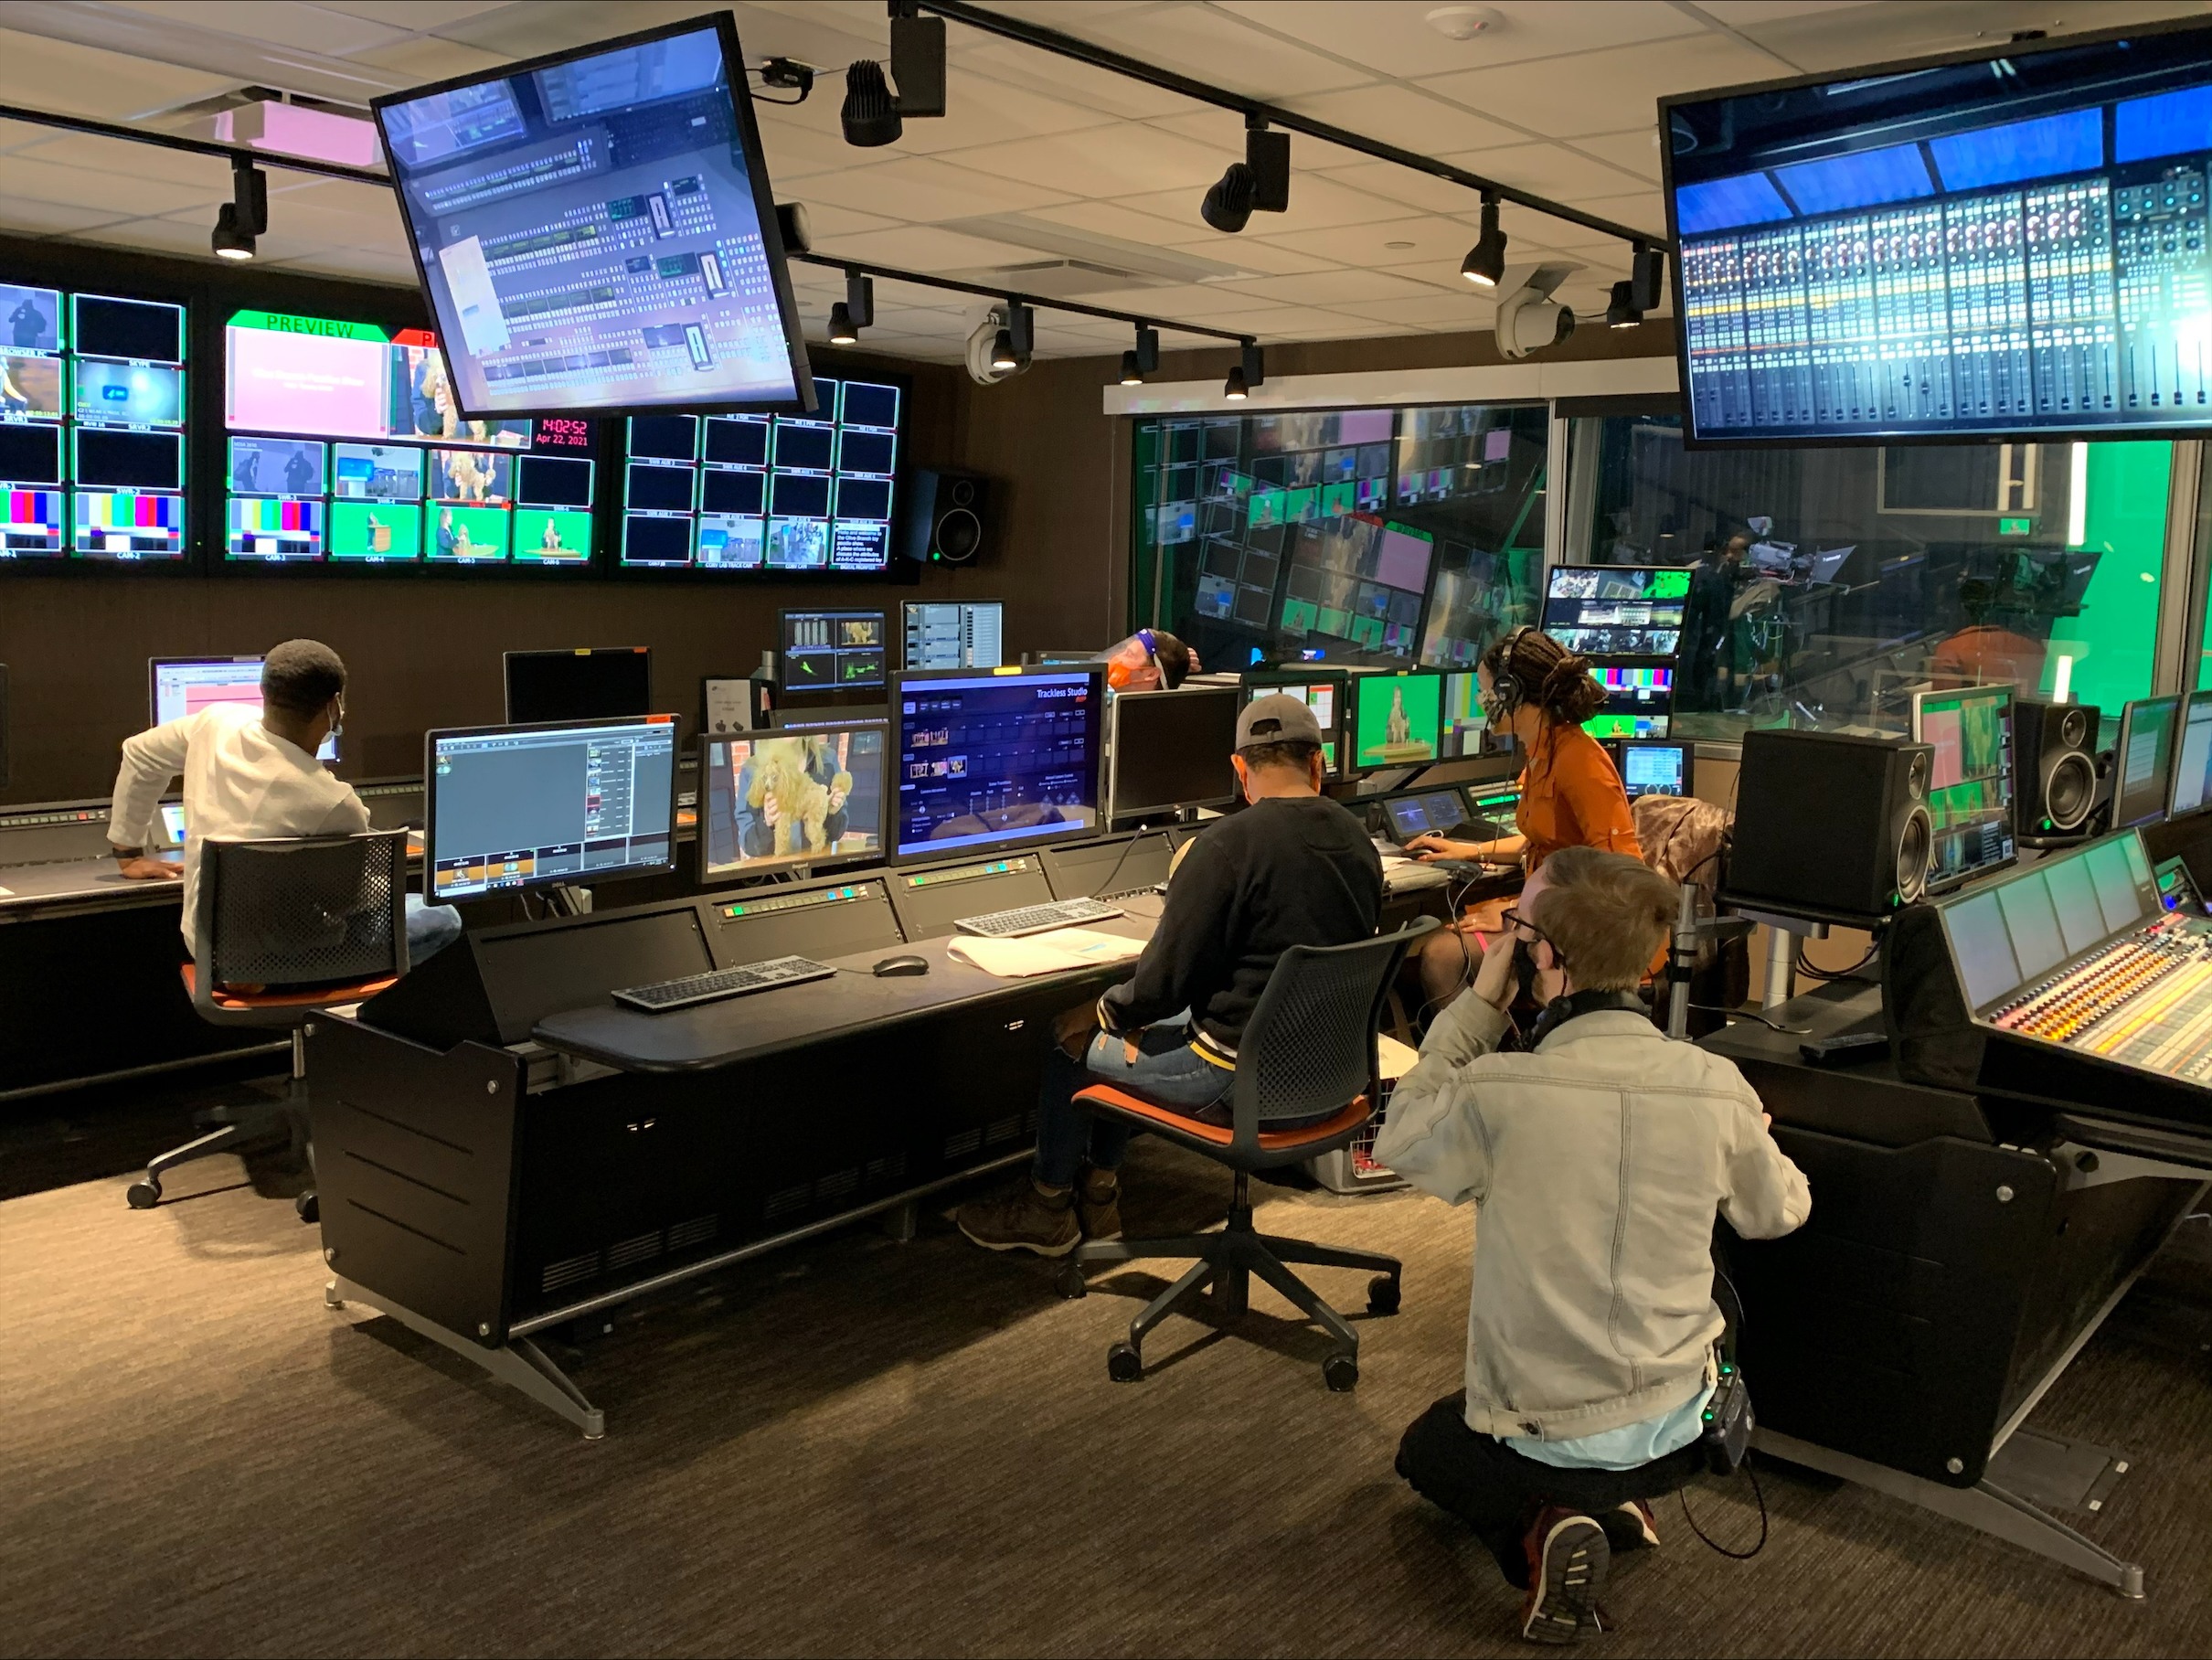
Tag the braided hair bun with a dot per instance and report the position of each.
(1553, 679)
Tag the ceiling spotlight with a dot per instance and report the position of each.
(1250, 371)
(841, 329)
(1234, 388)
(1486, 262)
(1131, 374)
(245, 215)
(1260, 183)
(869, 114)
(1002, 352)
(1228, 203)
(1623, 312)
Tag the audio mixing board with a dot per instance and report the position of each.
(2144, 1000)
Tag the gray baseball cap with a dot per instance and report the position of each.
(1277, 718)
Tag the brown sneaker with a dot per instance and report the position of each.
(1029, 1219)
(1568, 1559)
(1099, 1204)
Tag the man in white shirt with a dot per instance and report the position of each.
(251, 775)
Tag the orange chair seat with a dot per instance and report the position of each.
(1221, 1136)
(327, 997)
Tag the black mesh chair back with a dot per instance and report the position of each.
(326, 910)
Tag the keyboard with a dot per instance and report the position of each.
(691, 989)
(1036, 919)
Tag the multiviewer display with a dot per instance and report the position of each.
(1970, 790)
(997, 760)
(2014, 244)
(346, 447)
(595, 230)
(1359, 578)
(91, 426)
(1396, 719)
(521, 806)
(829, 651)
(1617, 610)
(1639, 701)
(809, 492)
(954, 633)
(771, 802)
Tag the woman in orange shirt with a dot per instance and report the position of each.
(1570, 791)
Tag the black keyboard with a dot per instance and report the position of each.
(722, 983)
(1036, 919)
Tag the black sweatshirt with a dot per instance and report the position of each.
(1288, 871)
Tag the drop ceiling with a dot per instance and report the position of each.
(1041, 163)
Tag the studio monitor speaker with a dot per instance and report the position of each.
(945, 521)
(2054, 767)
(1829, 826)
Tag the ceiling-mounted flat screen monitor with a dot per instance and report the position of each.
(595, 230)
(2004, 244)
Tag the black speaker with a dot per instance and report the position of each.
(1829, 826)
(945, 517)
(2054, 768)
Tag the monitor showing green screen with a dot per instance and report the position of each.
(1396, 718)
(376, 530)
(467, 533)
(545, 536)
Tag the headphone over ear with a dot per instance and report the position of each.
(1506, 686)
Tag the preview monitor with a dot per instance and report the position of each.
(769, 802)
(1970, 786)
(185, 685)
(996, 761)
(2193, 756)
(1321, 690)
(2004, 244)
(2143, 762)
(1632, 612)
(589, 684)
(1396, 718)
(526, 806)
(1171, 749)
(1639, 701)
(1656, 768)
(1465, 731)
(952, 633)
(830, 651)
(596, 232)
(92, 462)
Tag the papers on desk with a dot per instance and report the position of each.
(1046, 953)
(1393, 1060)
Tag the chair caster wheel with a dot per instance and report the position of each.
(308, 1207)
(1383, 1294)
(145, 1195)
(1070, 1283)
(1340, 1372)
(1124, 1364)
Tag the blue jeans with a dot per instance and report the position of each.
(429, 928)
(1166, 1070)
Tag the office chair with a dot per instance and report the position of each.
(287, 929)
(1308, 1050)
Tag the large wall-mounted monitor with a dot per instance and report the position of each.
(1970, 790)
(811, 492)
(595, 229)
(92, 462)
(996, 761)
(1633, 612)
(589, 684)
(525, 806)
(345, 447)
(2001, 244)
(771, 802)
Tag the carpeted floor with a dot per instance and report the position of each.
(862, 1447)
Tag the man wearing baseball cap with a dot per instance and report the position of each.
(1293, 868)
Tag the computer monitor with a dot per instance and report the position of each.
(1654, 769)
(1639, 701)
(831, 651)
(1396, 718)
(1617, 610)
(954, 633)
(1465, 731)
(1424, 813)
(1969, 788)
(2193, 756)
(2143, 762)
(769, 802)
(1003, 760)
(1323, 691)
(185, 685)
(1171, 749)
(526, 806)
(591, 683)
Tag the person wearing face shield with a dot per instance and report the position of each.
(250, 775)
(1152, 659)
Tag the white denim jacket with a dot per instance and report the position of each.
(1597, 1163)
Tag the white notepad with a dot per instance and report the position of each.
(1046, 953)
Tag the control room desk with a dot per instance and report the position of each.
(483, 1193)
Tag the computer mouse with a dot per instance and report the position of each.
(902, 965)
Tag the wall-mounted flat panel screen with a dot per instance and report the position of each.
(91, 426)
(810, 491)
(954, 633)
(1617, 610)
(2009, 244)
(595, 230)
(766, 803)
(346, 447)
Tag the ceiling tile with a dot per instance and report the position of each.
(1217, 46)
(1437, 310)
(979, 110)
(426, 59)
(410, 13)
(921, 190)
(1397, 184)
(1329, 287)
(1134, 160)
(1601, 91)
(1248, 252)
(1546, 170)
(1061, 78)
(308, 29)
(1368, 245)
(1637, 151)
(125, 196)
(84, 80)
(192, 174)
(924, 247)
(22, 216)
(1402, 116)
(1391, 35)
